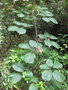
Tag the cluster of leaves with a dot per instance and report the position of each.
(28, 16)
(35, 66)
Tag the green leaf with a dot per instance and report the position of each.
(22, 24)
(28, 74)
(47, 75)
(48, 13)
(58, 76)
(33, 87)
(17, 23)
(20, 15)
(24, 46)
(53, 20)
(48, 43)
(34, 79)
(21, 31)
(15, 77)
(57, 64)
(52, 37)
(27, 25)
(29, 58)
(17, 29)
(49, 63)
(46, 35)
(46, 19)
(41, 36)
(33, 43)
(13, 28)
(56, 84)
(18, 67)
(44, 66)
(56, 45)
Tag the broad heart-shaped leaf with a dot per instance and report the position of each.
(33, 43)
(46, 19)
(12, 28)
(49, 62)
(58, 76)
(21, 31)
(56, 45)
(41, 36)
(24, 46)
(44, 66)
(47, 75)
(29, 58)
(15, 77)
(18, 67)
(57, 64)
(20, 15)
(33, 87)
(48, 43)
(53, 20)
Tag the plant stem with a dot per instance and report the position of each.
(36, 28)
